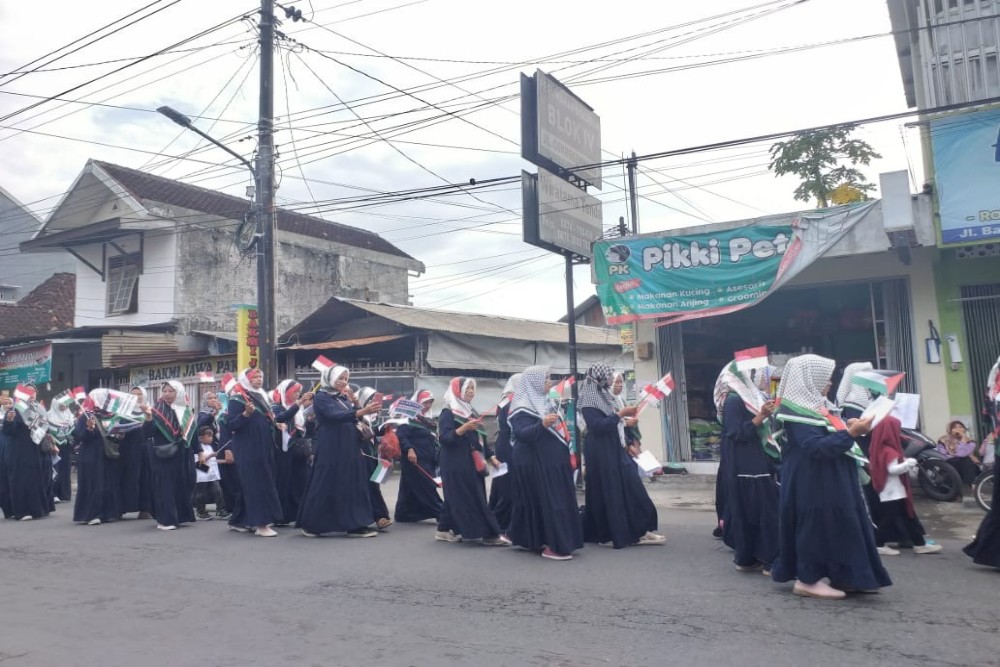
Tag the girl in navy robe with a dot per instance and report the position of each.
(501, 492)
(134, 462)
(171, 479)
(25, 463)
(336, 498)
(254, 440)
(824, 529)
(61, 425)
(545, 517)
(618, 511)
(465, 514)
(418, 497)
(292, 472)
(98, 478)
(852, 400)
(371, 446)
(750, 522)
(232, 492)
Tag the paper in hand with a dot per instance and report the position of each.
(647, 463)
(498, 471)
(879, 409)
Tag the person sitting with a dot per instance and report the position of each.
(960, 450)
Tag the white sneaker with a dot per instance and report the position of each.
(57, 500)
(447, 536)
(239, 529)
(887, 551)
(266, 531)
(94, 522)
(26, 518)
(652, 538)
(162, 527)
(928, 549)
(306, 533)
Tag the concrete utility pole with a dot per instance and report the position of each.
(633, 196)
(265, 188)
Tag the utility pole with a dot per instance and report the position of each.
(633, 196)
(265, 190)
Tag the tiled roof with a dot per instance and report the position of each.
(149, 187)
(49, 308)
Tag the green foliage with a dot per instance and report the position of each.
(824, 160)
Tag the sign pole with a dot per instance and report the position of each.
(571, 322)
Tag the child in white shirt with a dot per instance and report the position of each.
(207, 488)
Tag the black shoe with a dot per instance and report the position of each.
(717, 533)
(223, 514)
(204, 516)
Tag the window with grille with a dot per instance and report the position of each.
(123, 284)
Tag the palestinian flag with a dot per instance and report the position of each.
(879, 381)
(120, 403)
(187, 423)
(557, 391)
(750, 359)
(64, 399)
(322, 364)
(381, 471)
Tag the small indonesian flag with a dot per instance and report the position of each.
(752, 358)
(322, 364)
(228, 383)
(206, 376)
(387, 397)
(23, 394)
(560, 388)
(381, 471)
(653, 393)
(879, 381)
(79, 394)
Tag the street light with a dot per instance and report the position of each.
(265, 258)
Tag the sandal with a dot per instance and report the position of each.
(383, 523)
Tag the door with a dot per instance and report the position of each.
(981, 316)
(670, 347)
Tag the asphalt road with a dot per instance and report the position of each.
(126, 595)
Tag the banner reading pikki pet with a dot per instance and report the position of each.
(677, 278)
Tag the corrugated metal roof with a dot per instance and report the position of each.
(341, 344)
(324, 321)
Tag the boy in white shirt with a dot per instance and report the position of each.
(207, 488)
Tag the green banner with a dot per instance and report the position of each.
(643, 278)
(25, 364)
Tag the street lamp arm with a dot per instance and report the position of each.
(186, 123)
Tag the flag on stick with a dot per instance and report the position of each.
(751, 358)
(229, 383)
(879, 381)
(653, 393)
(322, 364)
(559, 389)
(206, 376)
(381, 471)
(79, 394)
(65, 399)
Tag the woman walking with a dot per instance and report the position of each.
(98, 475)
(501, 492)
(336, 498)
(545, 517)
(750, 524)
(465, 514)
(367, 396)
(25, 464)
(824, 530)
(61, 425)
(418, 497)
(169, 429)
(291, 471)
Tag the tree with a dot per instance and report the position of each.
(818, 157)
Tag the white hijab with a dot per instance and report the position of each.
(454, 398)
(244, 380)
(328, 378)
(61, 417)
(180, 403)
(848, 392)
(143, 399)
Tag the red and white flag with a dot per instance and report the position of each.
(653, 393)
(322, 364)
(79, 394)
(752, 358)
(229, 383)
(206, 376)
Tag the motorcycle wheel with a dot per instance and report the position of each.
(982, 489)
(939, 480)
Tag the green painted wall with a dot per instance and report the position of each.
(950, 274)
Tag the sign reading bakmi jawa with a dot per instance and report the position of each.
(675, 278)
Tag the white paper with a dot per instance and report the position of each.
(437, 480)
(907, 409)
(879, 409)
(647, 462)
(498, 472)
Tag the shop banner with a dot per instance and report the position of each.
(247, 337)
(966, 172)
(184, 371)
(27, 364)
(677, 278)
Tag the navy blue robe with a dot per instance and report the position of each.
(750, 526)
(985, 548)
(25, 469)
(418, 497)
(98, 482)
(501, 491)
(465, 510)
(617, 508)
(232, 494)
(336, 498)
(134, 462)
(253, 444)
(379, 509)
(5, 507)
(824, 529)
(291, 471)
(544, 512)
(171, 481)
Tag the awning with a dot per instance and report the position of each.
(221, 335)
(351, 342)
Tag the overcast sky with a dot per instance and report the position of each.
(661, 75)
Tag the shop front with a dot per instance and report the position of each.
(191, 373)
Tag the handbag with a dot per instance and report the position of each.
(111, 448)
(388, 446)
(479, 461)
(166, 451)
(301, 448)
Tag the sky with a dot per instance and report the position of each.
(392, 95)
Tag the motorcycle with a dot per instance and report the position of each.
(982, 488)
(936, 477)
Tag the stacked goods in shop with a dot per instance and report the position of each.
(706, 436)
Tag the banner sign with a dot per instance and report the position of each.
(247, 337)
(185, 371)
(966, 172)
(26, 364)
(678, 278)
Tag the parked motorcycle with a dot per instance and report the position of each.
(936, 477)
(982, 488)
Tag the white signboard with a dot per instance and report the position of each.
(568, 217)
(569, 132)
